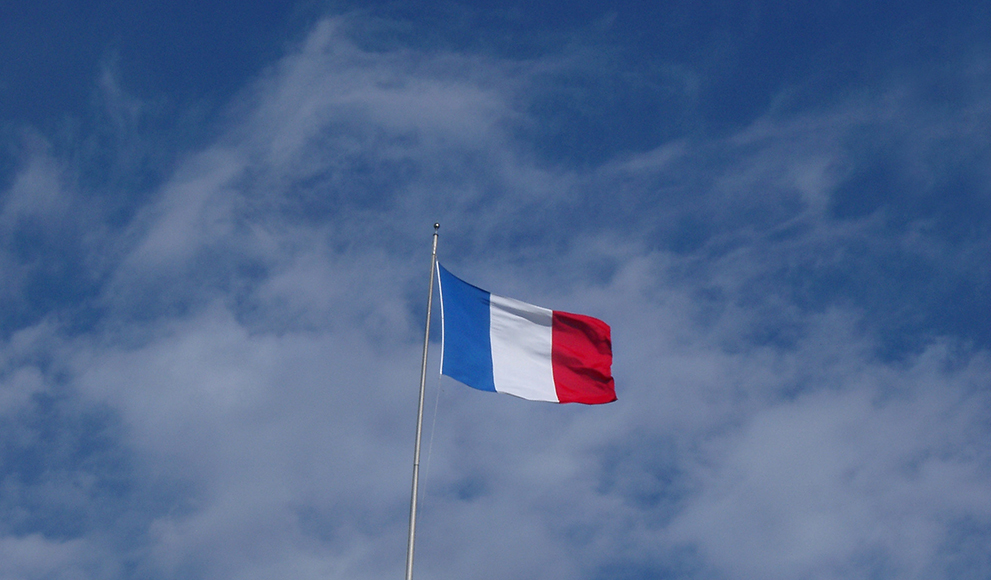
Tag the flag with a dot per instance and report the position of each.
(503, 345)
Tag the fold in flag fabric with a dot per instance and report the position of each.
(503, 345)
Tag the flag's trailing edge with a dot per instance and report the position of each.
(499, 344)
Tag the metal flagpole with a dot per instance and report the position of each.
(419, 414)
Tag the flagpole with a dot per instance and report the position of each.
(419, 414)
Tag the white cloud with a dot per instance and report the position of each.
(866, 476)
(36, 557)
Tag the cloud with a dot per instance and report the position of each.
(35, 557)
(864, 478)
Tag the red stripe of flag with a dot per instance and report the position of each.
(581, 354)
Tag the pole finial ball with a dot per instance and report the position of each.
(436, 226)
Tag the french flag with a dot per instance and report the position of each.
(503, 345)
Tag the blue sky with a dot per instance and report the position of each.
(215, 226)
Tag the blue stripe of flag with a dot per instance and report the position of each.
(467, 344)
